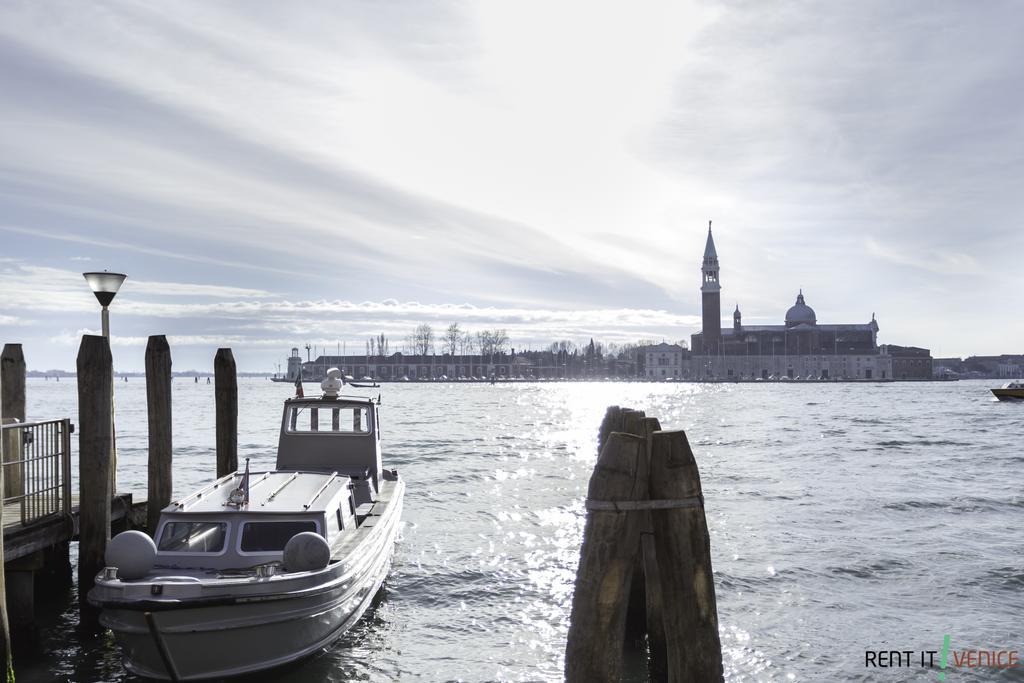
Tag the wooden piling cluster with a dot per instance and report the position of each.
(96, 474)
(645, 560)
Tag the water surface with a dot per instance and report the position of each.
(843, 517)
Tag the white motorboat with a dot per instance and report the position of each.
(1010, 391)
(260, 569)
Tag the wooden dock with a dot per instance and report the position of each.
(21, 540)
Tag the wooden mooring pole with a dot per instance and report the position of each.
(645, 561)
(226, 393)
(6, 662)
(690, 610)
(12, 370)
(95, 446)
(598, 622)
(158, 402)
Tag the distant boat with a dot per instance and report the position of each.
(1010, 391)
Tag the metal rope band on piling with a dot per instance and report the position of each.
(629, 505)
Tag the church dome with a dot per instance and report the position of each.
(800, 313)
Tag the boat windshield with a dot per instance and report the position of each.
(264, 537)
(193, 537)
(350, 419)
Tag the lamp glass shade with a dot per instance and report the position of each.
(104, 285)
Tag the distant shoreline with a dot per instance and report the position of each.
(575, 380)
(187, 373)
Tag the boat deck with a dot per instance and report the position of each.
(270, 492)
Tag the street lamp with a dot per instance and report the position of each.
(105, 285)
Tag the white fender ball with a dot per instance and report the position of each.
(132, 552)
(306, 552)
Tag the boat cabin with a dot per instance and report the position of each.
(333, 434)
(209, 530)
(328, 476)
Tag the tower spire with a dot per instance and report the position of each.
(711, 306)
(710, 254)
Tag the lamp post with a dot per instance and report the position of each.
(105, 285)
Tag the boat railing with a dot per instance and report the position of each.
(273, 494)
(330, 480)
(204, 491)
(36, 470)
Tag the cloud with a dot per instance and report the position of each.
(933, 260)
(44, 288)
(188, 289)
(280, 325)
(299, 167)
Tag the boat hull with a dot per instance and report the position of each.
(234, 635)
(1009, 394)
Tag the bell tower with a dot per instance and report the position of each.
(711, 298)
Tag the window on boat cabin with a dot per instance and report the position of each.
(265, 537)
(193, 537)
(347, 419)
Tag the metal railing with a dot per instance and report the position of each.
(37, 469)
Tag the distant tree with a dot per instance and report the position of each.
(382, 345)
(483, 342)
(422, 340)
(492, 342)
(452, 337)
(499, 340)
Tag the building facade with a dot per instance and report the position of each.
(1005, 366)
(799, 348)
(664, 361)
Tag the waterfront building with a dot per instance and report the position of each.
(294, 365)
(400, 367)
(1010, 369)
(800, 347)
(1005, 366)
(663, 361)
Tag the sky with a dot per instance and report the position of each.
(275, 174)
